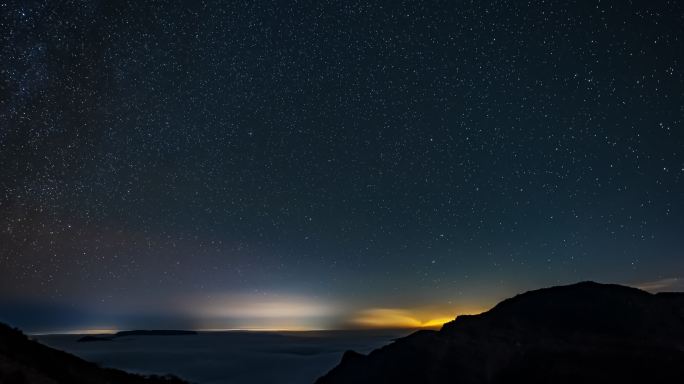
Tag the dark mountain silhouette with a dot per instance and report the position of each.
(140, 332)
(24, 361)
(581, 333)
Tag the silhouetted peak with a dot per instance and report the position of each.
(584, 332)
(586, 307)
(350, 356)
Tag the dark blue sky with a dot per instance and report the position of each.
(317, 163)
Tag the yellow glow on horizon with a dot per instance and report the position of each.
(402, 318)
(436, 323)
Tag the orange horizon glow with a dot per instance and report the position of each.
(378, 318)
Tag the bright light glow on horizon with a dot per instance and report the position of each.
(259, 312)
(277, 313)
(402, 318)
(259, 307)
(282, 312)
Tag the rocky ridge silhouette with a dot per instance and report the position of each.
(581, 333)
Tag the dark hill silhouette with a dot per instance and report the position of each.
(581, 333)
(24, 361)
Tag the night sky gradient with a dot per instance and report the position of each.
(332, 164)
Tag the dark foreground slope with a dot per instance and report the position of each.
(582, 333)
(26, 361)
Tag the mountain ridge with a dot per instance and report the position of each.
(581, 333)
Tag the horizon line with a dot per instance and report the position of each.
(112, 331)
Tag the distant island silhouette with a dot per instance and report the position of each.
(141, 332)
(581, 333)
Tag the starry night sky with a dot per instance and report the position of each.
(330, 164)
